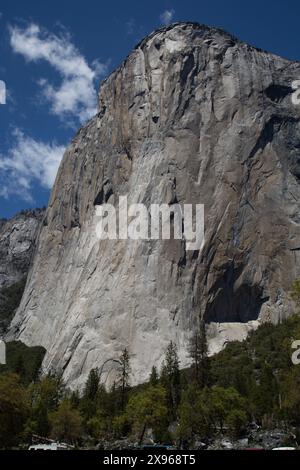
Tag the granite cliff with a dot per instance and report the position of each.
(17, 243)
(193, 115)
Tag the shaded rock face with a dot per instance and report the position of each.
(192, 116)
(17, 242)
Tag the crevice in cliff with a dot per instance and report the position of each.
(188, 66)
(231, 303)
(267, 134)
(104, 194)
(277, 93)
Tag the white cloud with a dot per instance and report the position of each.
(130, 26)
(167, 16)
(76, 96)
(28, 162)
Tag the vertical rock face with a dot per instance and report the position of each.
(17, 242)
(192, 116)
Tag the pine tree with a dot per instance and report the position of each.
(75, 399)
(153, 376)
(198, 351)
(170, 378)
(42, 420)
(92, 385)
(124, 371)
(266, 394)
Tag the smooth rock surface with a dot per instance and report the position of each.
(192, 116)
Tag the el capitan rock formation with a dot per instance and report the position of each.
(192, 116)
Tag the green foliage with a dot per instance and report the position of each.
(92, 385)
(198, 350)
(258, 367)
(124, 371)
(170, 378)
(66, 423)
(221, 402)
(290, 393)
(120, 425)
(148, 409)
(10, 298)
(23, 360)
(154, 376)
(237, 420)
(204, 412)
(88, 403)
(193, 415)
(14, 408)
(98, 426)
(45, 397)
(250, 381)
(265, 394)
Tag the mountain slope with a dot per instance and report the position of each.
(192, 116)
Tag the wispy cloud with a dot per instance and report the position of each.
(130, 26)
(27, 163)
(134, 29)
(167, 16)
(76, 96)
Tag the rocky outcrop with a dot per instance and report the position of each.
(192, 116)
(17, 243)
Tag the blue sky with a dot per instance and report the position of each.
(53, 55)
